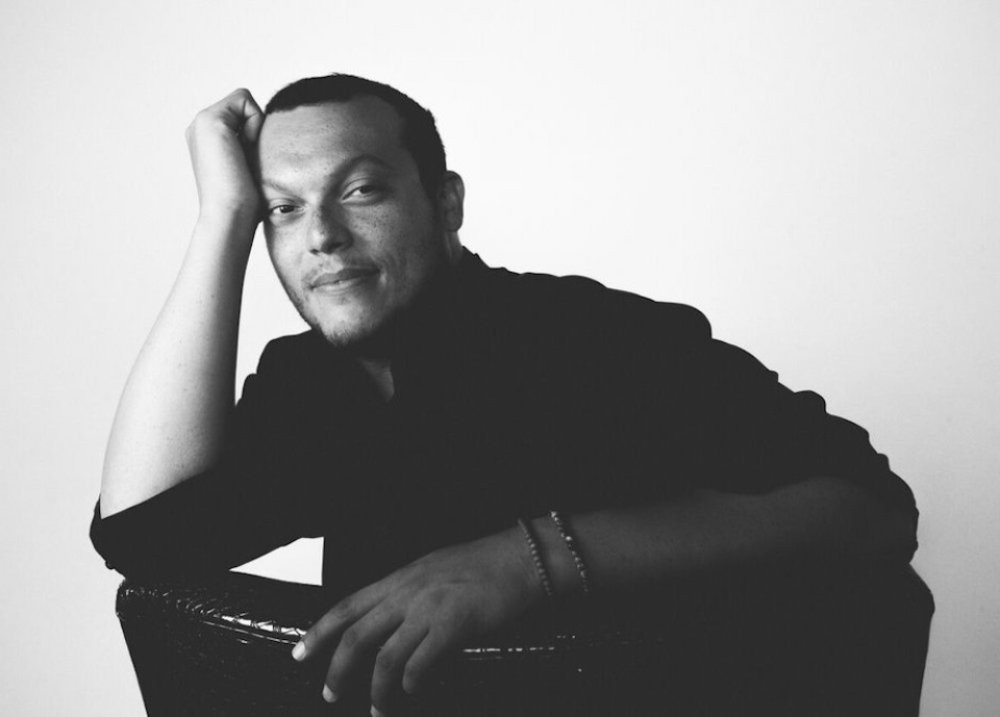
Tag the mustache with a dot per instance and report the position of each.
(328, 276)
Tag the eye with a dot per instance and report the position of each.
(279, 214)
(366, 190)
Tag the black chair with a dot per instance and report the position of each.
(812, 643)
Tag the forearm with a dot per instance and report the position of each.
(173, 411)
(820, 519)
(418, 613)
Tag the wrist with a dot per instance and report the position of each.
(558, 560)
(224, 236)
(525, 571)
(236, 218)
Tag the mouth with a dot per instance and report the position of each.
(349, 276)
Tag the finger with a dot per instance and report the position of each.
(251, 130)
(327, 629)
(240, 113)
(391, 661)
(253, 119)
(358, 642)
(435, 644)
(236, 105)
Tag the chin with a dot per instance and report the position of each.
(351, 334)
(346, 325)
(345, 337)
(361, 326)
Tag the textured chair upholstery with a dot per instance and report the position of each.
(810, 644)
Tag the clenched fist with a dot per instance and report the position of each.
(219, 139)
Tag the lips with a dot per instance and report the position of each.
(341, 278)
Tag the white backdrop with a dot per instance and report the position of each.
(822, 179)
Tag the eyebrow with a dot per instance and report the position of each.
(343, 169)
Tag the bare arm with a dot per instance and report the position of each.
(414, 616)
(173, 411)
(819, 519)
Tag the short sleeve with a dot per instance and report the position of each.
(248, 504)
(755, 434)
(667, 408)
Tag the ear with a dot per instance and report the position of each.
(451, 201)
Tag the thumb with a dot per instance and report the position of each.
(251, 127)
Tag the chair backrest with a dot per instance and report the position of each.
(816, 644)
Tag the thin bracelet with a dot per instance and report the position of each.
(536, 556)
(570, 540)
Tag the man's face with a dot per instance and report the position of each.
(350, 229)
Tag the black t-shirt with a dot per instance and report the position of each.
(514, 394)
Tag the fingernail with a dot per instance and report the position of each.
(299, 651)
(328, 694)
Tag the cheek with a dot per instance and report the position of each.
(400, 229)
(285, 265)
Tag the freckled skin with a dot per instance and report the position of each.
(325, 211)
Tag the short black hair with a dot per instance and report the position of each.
(420, 136)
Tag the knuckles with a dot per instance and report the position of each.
(341, 612)
(440, 592)
(386, 661)
(351, 639)
(208, 120)
(435, 599)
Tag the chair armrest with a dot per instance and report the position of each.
(813, 642)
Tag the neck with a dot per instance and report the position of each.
(375, 354)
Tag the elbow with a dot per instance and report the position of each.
(901, 534)
(891, 534)
(878, 530)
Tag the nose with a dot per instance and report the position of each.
(327, 233)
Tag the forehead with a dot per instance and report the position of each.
(329, 134)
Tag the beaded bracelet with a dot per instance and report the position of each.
(570, 540)
(536, 556)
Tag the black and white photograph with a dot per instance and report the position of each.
(546, 359)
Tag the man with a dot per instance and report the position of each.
(435, 401)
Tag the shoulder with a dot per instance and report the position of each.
(296, 376)
(291, 352)
(580, 305)
(293, 348)
(291, 364)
